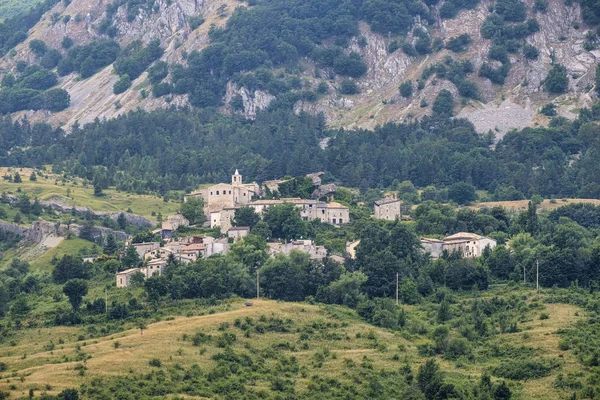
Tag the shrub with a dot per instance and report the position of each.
(349, 87)
(195, 21)
(557, 81)
(530, 52)
(523, 369)
(458, 44)
(406, 89)
(122, 84)
(444, 104)
(544, 316)
(155, 362)
(38, 47)
(549, 110)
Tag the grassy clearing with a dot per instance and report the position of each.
(74, 193)
(521, 205)
(348, 342)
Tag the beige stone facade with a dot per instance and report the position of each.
(223, 195)
(469, 245)
(317, 253)
(388, 209)
(238, 233)
(332, 213)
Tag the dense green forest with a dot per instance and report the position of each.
(179, 149)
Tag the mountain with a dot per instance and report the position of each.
(517, 47)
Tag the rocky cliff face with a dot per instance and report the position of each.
(501, 108)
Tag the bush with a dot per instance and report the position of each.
(155, 362)
(349, 87)
(444, 104)
(530, 52)
(195, 21)
(523, 369)
(38, 47)
(122, 84)
(549, 110)
(458, 44)
(406, 89)
(66, 43)
(557, 81)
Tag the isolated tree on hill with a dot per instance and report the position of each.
(69, 267)
(17, 178)
(33, 177)
(75, 289)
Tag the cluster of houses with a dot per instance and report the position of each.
(221, 201)
(155, 256)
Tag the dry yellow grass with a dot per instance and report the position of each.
(163, 340)
(521, 205)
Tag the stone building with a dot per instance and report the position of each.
(238, 233)
(332, 213)
(317, 253)
(222, 218)
(223, 195)
(388, 209)
(469, 245)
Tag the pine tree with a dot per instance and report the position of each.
(131, 259)
(17, 178)
(122, 221)
(111, 245)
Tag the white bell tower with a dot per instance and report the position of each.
(236, 179)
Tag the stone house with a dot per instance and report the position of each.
(332, 213)
(222, 219)
(145, 248)
(124, 277)
(434, 247)
(388, 209)
(317, 253)
(238, 233)
(469, 245)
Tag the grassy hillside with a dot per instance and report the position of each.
(10, 8)
(75, 193)
(279, 348)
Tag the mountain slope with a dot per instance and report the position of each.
(561, 39)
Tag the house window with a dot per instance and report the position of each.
(121, 281)
(211, 193)
(340, 220)
(244, 194)
(230, 192)
(334, 221)
(322, 211)
(217, 192)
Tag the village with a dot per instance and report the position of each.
(221, 202)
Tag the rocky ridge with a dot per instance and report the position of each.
(501, 108)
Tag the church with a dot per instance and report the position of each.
(222, 196)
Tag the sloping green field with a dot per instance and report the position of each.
(10, 8)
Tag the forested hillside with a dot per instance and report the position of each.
(358, 62)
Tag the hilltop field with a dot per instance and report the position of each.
(76, 192)
(276, 347)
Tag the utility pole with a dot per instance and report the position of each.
(396, 288)
(537, 275)
(257, 285)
